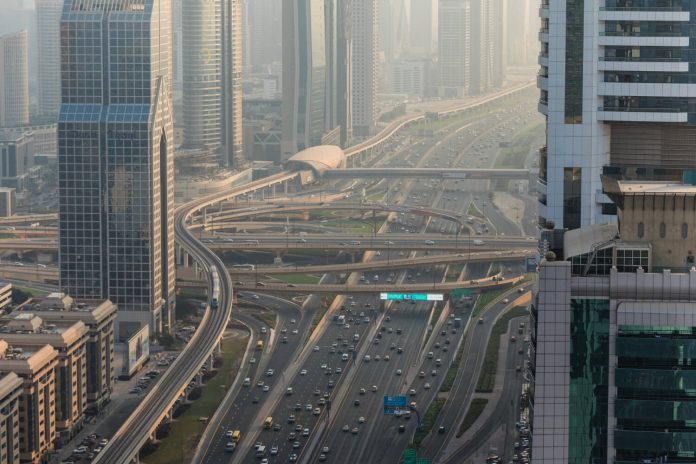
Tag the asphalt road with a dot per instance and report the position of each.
(240, 413)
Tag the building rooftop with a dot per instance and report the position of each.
(320, 159)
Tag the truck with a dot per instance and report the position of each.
(457, 322)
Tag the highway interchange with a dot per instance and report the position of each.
(318, 370)
(400, 334)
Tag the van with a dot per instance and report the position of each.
(236, 435)
(247, 382)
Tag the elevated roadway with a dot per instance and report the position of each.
(431, 173)
(402, 263)
(374, 287)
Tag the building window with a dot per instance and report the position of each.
(572, 200)
(663, 230)
(641, 230)
(685, 230)
(575, 34)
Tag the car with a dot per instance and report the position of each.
(295, 331)
(291, 419)
(305, 432)
(354, 431)
(292, 436)
(292, 457)
(316, 411)
(421, 374)
(398, 372)
(441, 429)
(378, 357)
(103, 442)
(293, 321)
(134, 390)
(426, 386)
(356, 403)
(274, 450)
(255, 400)
(399, 350)
(80, 450)
(316, 347)
(322, 457)
(276, 427)
(374, 388)
(284, 330)
(308, 407)
(260, 383)
(303, 372)
(361, 420)
(270, 373)
(402, 428)
(345, 428)
(412, 392)
(386, 357)
(317, 392)
(298, 407)
(433, 372)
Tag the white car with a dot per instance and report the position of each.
(316, 347)
(361, 420)
(303, 372)
(316, 411)
(274, 450)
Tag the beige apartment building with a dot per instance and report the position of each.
(10, 392)
(69, 338)
(35, 365)
(99, 316)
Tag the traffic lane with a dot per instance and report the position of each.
(241, 411)
(465, 382)
(381, 374)
(389, 444)
(243, 400)
(304, 386)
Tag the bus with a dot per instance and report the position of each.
(268, 423)
(243, 267)
(259, 345)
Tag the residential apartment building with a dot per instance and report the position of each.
(614, 333)
(10, 392)
(454, 47)
(409, 77)
(115, 158)
(14, 79)
(17, 152)
(100, 318)
(35, 365)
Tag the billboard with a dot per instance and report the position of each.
(137, 351)
(411, 296)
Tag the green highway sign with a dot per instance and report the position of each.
(460, 292)
(411, 296)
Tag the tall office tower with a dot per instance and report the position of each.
(212, 67)
(265, 32)
(115, 158)
(304, 75)
(365, 66)
(48, 39)
(613, 334)
(338, 108)
(454, 47)
(393, 27)
(177, 45)
(617, 95)
(14, 80)
(422, 28)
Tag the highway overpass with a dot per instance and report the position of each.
(402, 263)
(431, 173)
(367, 287)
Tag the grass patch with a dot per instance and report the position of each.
(325, 305)
(485, 298)
(267, 318)
(375, 197)
(474, 211)
(192, 294)
(298, 278)
(185, 432)
(486, 380)
(514, 155)
(453, 369)
(428, 420)
(454, 271)
(31, 292)
(475, 409)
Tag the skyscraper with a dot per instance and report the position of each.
(115, 158)
(454, 47)
(339, 51)
(14, 80)
(304, 75)
(265, 32)
(365, 65)
(618, 98)
(212, 115)
(48, 39)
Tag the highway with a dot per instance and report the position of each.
(126, 443)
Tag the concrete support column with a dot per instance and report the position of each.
(273, 190)
(218, 348)
(211, 362)
(285, 187)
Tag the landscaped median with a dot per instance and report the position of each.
(486, 380)
(475, 409)
(428, 420)
(183, 433)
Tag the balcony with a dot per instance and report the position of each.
(544, 35)
(544, 11)
(631, 39)
(632, 114)
(543, 107)
(646, 15)
(543, 82)
(642, 64)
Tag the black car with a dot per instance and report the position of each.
(402, 429)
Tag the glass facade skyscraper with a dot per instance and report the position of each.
(115, 158)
